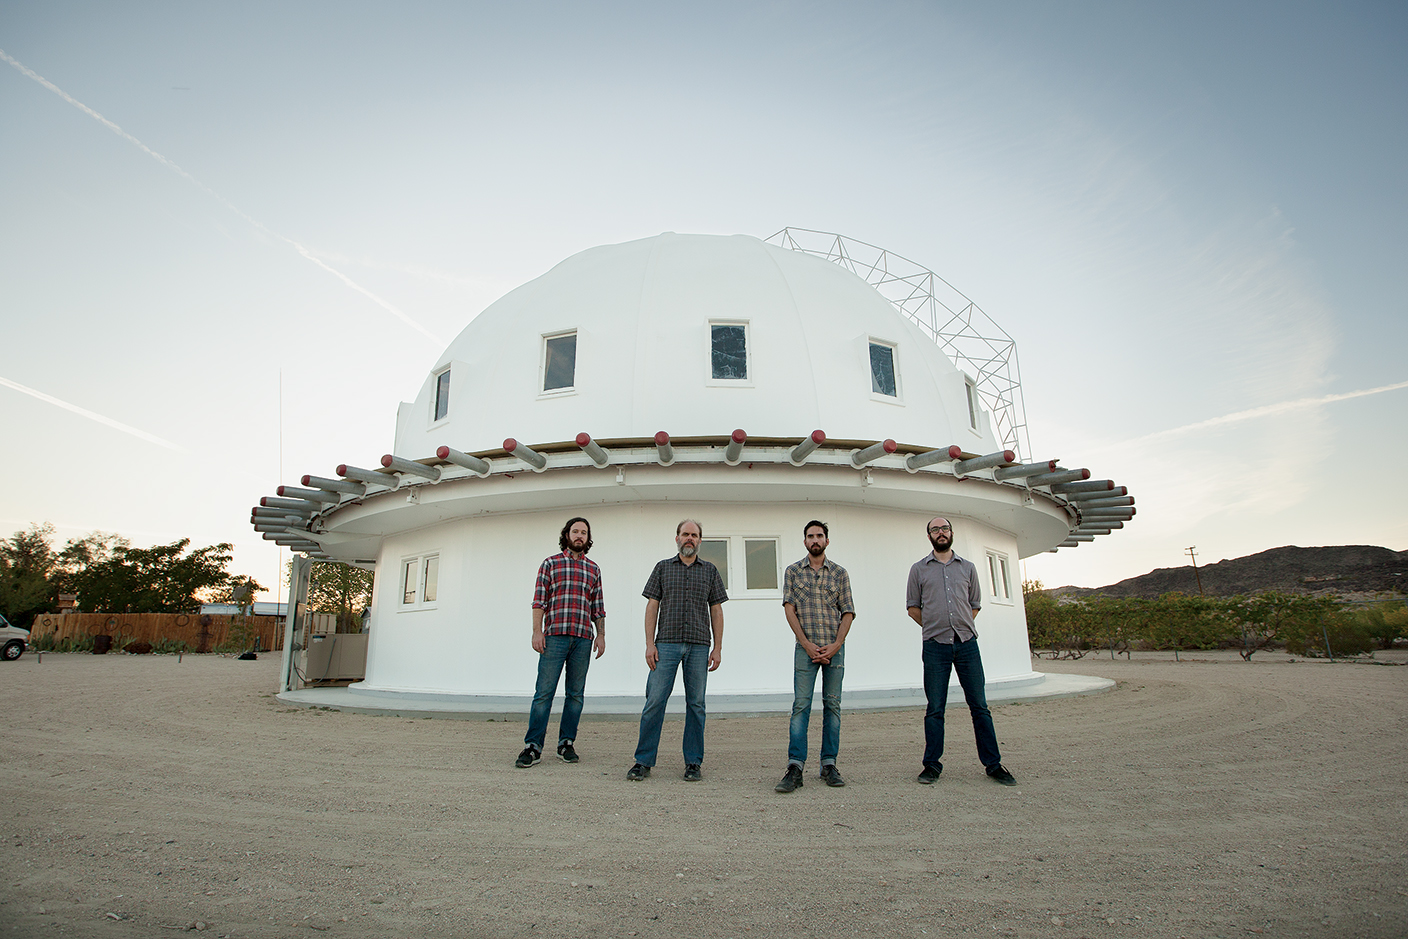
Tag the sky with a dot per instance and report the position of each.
(234, 236)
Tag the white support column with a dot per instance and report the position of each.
(297, 598)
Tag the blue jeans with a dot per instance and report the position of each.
(576, 654)
(693, 659)
(963, 657)
(803, 685)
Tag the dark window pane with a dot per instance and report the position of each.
(760, 559)
(972, 404)
(882, 369)
(559, 371)
(431, 580)
(442, 394)
(716, 553)
(730, 352)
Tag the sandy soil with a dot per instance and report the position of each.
(1205, 798)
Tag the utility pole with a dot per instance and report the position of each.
(1192, 552)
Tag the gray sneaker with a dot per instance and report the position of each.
(638, 772)
(830, 776)
(529, 757)
(693, 773)
(792, 781)
(566, 753)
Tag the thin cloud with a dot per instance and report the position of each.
(94, 416)
(402, 316)
(1266, 411)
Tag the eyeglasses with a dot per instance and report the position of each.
(937, 529)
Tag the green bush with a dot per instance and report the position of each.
(170, 646)
(45, 642)
(1347, 637)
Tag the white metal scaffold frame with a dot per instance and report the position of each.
(968, 336)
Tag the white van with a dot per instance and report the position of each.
(13, 640)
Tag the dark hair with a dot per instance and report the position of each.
(689, 521)
(816, 523)
(566, 545)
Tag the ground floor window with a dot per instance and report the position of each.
(999, 577)
(420, 581)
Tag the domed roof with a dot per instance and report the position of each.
(626, 340)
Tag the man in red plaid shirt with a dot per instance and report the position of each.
(567, 602)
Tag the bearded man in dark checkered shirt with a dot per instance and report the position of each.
(683, 613)
(816, 599)
(567, 602)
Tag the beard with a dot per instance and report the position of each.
(941, 543)
(579, 545)
(817, 550)
(688, 550)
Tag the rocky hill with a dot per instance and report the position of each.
(1343, 569)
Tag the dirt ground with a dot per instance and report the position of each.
(1204, 798)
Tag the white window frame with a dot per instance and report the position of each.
(1000, 577)
(894, 347)
(736, 576)
(417, 562)
(543, 363)
(435, 394)
(709, 379)
(973, 403)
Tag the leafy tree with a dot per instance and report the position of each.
(160, 579)
(1277, 617)
(26, 561)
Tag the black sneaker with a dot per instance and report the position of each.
(830, 776)
(792, 781)
(637, 773)
(692, 773)
(931, 774)
(529, 757)
(999, 773)
(566, 754)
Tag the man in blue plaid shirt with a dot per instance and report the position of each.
(566, 603)
(816, 599)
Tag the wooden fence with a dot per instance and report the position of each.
(200, 632)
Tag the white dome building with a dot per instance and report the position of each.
(720, 378)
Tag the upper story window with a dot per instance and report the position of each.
(882, 369)
(560, 362)
(442, 396)
(970, 392)
(728, 351)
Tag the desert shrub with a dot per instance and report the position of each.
(1384, 622)
(170, 646)
(1347, 637)
(140, 647)
(45, 642)
(82, 643)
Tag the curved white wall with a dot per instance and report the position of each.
(476, 639)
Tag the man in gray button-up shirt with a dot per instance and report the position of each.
(943, 597)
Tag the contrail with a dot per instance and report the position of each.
(93, 416)
(402, 316)
(1267, 410)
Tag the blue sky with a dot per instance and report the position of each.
(1188, 216)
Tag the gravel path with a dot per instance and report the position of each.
(1204, 798)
